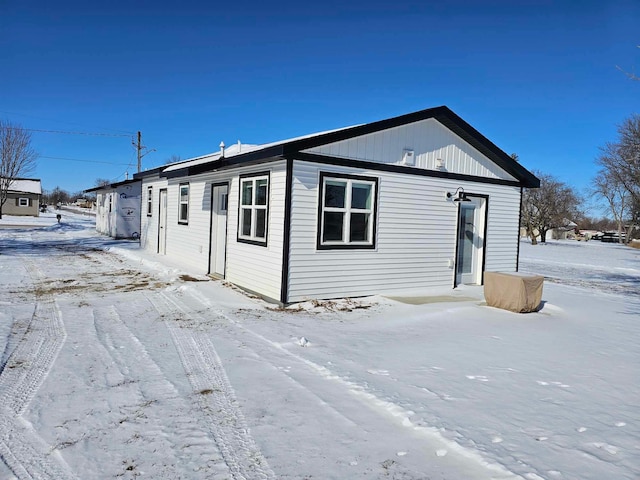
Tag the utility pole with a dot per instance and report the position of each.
(139, 150)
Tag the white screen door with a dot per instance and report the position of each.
(219, 200)
(162, 223)
(470, 242)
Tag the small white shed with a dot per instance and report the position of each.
(118, 208)
(396, 207)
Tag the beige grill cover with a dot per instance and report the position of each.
(513, 291)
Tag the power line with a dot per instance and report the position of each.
(84, 160)
(79, 133)
(64, 122)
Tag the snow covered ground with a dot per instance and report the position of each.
(118, 364)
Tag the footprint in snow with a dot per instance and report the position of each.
(607, 448)
(582, 429)
(441, 453)
(620, 424)
(401, 454)
(496, 440)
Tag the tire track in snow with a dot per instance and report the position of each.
(26, 454)
(177, 429)
(210, 382)
(442, 445)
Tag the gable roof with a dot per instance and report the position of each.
(289, 148)
(26, 185)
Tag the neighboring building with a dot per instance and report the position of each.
(564, 232)
(118, 209)
(23, 197)
(396, 207)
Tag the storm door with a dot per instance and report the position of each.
(219, 200)
(162, 223)
(471, 241)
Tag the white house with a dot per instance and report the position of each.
(118, 209)
(398, 207)
(23, 197)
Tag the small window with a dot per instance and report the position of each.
(183, 212)
(149, 201)
(23, 202)
(346, 211)
(254, 199)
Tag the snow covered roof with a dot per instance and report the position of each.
(231, 151)
(26, 185)
(239, 149)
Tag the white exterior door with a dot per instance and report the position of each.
(162, 223)
(470, 242)
(219, 200)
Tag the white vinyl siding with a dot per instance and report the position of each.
(501, 253)
(258, 268)
(430, 141)
(415, 239)
(252, 267)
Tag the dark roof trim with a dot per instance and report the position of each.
(149, 173)
(386, 167)
(111, 185)
(442, 114)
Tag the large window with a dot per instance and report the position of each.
(149, 201)
(183, 204)
(254, 200)
(347, 211)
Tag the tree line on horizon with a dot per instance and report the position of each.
(617, 182)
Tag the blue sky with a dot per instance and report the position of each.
(538, 78)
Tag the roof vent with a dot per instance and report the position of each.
(222, 149)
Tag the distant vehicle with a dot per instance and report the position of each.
(613, 237)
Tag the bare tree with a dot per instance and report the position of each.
(17, 157)
(552, 205)
(172, 159)
(621, 159)
(57, 195)
(631, 75)
(102, 182)
(607, 186)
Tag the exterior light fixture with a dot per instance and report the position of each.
(458, 195)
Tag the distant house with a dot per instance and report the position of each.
(398, 207)
(118, 208)
(23, 197)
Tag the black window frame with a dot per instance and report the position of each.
(253, 239)
(350, 179)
